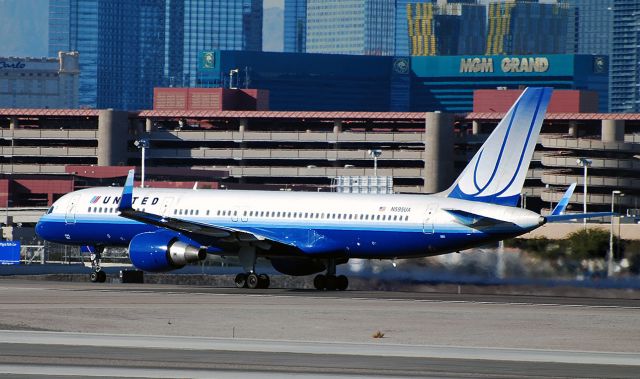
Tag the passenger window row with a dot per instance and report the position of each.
(102, 210)
(276, 214)
(314, 215)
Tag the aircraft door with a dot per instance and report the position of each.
(429, 218)
(70, 215)
(165, 208)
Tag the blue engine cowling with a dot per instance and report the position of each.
(163, 250)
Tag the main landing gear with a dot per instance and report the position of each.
(250, 279)
(97, 275)
(330, 281)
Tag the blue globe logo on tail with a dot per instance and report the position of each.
(497, 171)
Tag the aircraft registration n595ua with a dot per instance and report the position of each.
(304, 233)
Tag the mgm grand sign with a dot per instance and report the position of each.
(507, 65)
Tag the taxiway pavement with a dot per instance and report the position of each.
(151, 329)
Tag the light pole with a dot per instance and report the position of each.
(584, 162)
(375, 153)
(142, 144)
(610, 252)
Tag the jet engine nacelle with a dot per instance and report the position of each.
(163, 251)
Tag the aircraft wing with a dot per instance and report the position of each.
(220, 236)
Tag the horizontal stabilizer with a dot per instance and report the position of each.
(562, 204)
(473, 220)
(577, 216)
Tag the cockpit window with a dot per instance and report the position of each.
(50, 210)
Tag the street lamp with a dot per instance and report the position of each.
(584, 162)
(610, 252)
(375, 153)
(142, 144)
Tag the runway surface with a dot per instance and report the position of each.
(57, 329)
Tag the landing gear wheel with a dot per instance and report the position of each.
(263, 281)
(252, 281)
(342, 283)
(241, 280)
(320, 282)
(93, 277)
(102, 276)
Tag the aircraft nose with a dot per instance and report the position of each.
(42, 228)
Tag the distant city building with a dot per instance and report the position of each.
(358, 27)
(198, 25)
(39, 82)
(447, 83)
(120, 44)
(129, 47)
(331, 82)
(593, 20)
(305, 81)
(403, 46)
(454, 28)
(522, 27)
(295, 26)
(625, 57)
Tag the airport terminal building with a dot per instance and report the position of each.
(299, 150)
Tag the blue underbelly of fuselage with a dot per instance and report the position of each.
(351, 242)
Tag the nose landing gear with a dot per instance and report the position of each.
(97, 275)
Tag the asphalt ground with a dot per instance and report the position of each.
(61, 329)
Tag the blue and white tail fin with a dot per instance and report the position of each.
(497, 172)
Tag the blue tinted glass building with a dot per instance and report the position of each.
(198, 25)
(304, 81)
(359, 27)
(523, 27)
(295, 26)
(625, 57)
(130, 53)
(298, 81)
(128, 47)
(593, 24)
(401, 36)
(454, 28)
(73, 26)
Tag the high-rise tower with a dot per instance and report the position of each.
(361, 27)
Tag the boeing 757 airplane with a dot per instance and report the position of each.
(304, 233)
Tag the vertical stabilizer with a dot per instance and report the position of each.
(497, 172)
